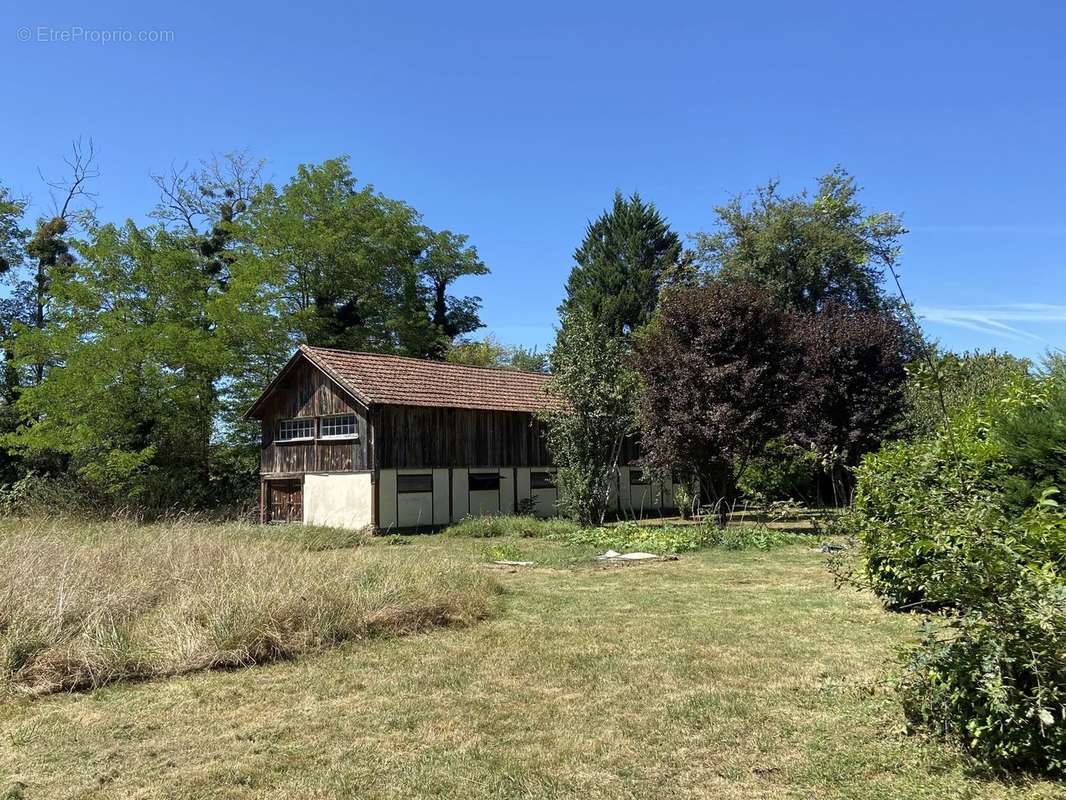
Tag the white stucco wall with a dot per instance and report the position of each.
(451, 498)
(339, 500)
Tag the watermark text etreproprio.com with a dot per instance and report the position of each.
(78, 33)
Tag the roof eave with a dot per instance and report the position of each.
(337, 378)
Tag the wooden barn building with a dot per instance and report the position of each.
(360, 440)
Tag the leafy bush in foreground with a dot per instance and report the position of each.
(79, 612)
(1033, 441)
(935, 528)
(949, 523)
(995, 682)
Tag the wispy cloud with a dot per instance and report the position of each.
(990, 228)
(1002, 320)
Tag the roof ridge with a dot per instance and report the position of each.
(507, 370)
(387, 379)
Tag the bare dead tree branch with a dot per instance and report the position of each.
(195, 198)
(83, 168)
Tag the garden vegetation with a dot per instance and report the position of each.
(968, 522)
(630, 536)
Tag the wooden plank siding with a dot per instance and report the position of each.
(407, 437)
(307, 392)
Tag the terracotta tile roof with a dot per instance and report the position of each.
(395, 380)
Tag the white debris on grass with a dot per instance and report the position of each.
(612, 555)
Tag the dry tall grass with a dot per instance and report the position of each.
(79, 611)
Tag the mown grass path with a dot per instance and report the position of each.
(721, 675)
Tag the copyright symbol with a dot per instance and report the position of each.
(23, 34)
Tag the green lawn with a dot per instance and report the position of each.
(721, 675)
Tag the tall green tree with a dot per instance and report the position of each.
(135, 349)
(446, 258)
(135, 326)
(205, 211)
(620, 265)
(595, 391)
(359, 270)
(12, 234)
(13, 238)
(807, 251)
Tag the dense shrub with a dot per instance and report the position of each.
(966, 522)
(782, 471)
(929, 519)
(994, 682)
(936, 527)
(37, 495)
(953, 383)
(1032, 438)
(70, 495)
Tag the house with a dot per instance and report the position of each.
(365, 440)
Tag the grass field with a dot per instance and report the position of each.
(724, 674)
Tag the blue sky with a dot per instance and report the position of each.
(515, 124)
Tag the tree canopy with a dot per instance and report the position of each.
(620, 265)
(851, 387)
(489, 352)
(131, 351)
(806, 251)
(719, 368)
(359, 270)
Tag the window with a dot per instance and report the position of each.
(339, 427)
(484, 482)
(290, 430)
(409, 484)
(541, 480)
(637, 477)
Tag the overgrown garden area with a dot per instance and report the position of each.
(726, 673)
(767, 363)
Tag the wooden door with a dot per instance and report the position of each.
(286, 501)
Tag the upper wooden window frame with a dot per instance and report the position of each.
(280, 437)
(333, 437)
